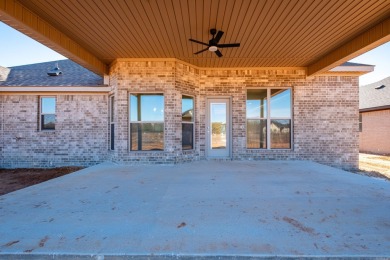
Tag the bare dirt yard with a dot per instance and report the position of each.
(375, 165)
(15, 179)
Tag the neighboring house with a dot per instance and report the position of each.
(256, 76)
(190, 114)
(374, 124)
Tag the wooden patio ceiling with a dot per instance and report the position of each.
(316, 34)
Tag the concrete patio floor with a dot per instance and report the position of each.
(230, 209)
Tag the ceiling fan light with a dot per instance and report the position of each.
(213, 48)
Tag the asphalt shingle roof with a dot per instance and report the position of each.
(36, 75)
(370, 96)
(355, 64)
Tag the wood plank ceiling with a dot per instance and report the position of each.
(272, 33)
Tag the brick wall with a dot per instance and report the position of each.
(80, 137)
(325, 117)
(326, 120)
(325, 110)
(145, 77)
(375, 135)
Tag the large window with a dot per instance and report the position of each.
(146, 122)
(48, 113)
(268, 115)
(187, 125)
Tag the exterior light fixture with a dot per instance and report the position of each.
(213, 48)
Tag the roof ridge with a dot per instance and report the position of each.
(379, 82)
(40, 63)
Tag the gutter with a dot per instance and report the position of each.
(374, 109)
(34, 89)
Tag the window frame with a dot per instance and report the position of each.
(41, 113)
(268, 119)
(360, 122)
(138, 122)
(193, 123)
(112, 122)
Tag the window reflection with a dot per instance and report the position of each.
(48, 110)
(256, 104)
(146, 107)
(147, 136)
(265, 132)
(187, 136)
(48, 105)
(147, 122)
(256, 134)
(187, 115)
(218, 126)
(280, 103)
(281, 134)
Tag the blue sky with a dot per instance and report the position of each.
(380, 57)
(19, 49)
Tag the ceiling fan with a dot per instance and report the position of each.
(213, 43)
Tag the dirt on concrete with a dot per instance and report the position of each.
(16, 179)
(375, 165)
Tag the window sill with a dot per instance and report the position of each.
(269, 150)
(149, 151)
(185, 152)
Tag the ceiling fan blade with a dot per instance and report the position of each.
(201, 50)
(218, 36)
(198, 42)
(219, 54)
(228, 45)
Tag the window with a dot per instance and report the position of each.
(268, 116)
(48, 113)
(146, 122)
(112, 125)
(187, 125)
(360, 122)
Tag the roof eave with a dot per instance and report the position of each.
(54, 89)
(370, 109)
(360, 70)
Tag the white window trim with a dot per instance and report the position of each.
(269, 120)
(41, 113)
(193, 124)
(138, 122)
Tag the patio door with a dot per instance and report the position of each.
(218, 127)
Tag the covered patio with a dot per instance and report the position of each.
(201, 209)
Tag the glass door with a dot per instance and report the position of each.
(218, 128)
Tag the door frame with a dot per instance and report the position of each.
(230, 125)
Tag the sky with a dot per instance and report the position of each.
(19, 49)
(380, 57)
